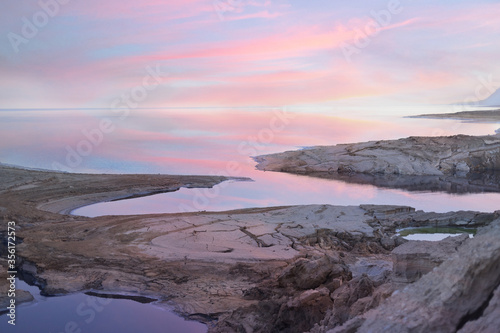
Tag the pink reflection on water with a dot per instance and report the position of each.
(221, 142)
(180, 141)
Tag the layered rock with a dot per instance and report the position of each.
(489, 320)
(255, 270)
(459, 295)
(414, 259)
(453, 164)
(289, 269)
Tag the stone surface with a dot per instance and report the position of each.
(376, 269)
(460, 293)
(453, 164)
(310, 274)
(414, 259)
(277, 269)
(489, 320)
(262, 233)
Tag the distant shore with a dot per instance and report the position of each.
(472, 116)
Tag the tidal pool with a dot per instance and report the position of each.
(81, 313)
(434, 233)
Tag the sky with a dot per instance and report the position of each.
(226, 53)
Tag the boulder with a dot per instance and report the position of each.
(413, 259)
(311, 273)
(460, 294)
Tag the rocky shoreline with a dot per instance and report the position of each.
(460, 295)
(32, 198)
(288, 269)
(454, 164)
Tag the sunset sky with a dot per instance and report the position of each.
(83, 54)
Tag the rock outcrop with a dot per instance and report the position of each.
(414, 259)
(453, 164)
(277, 269)
(459, 295)
(489, 320)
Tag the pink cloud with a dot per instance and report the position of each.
(274, 46)
(263, 14)
(147, 9)
(287, 59)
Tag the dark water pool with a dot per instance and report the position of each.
(81, 313)
(434, 233)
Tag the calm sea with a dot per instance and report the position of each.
(213, 142)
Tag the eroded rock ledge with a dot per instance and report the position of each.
(460, 295)
(252, 270)
(31, 197)
(458, 163)
(279, 269)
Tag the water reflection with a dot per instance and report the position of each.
(221, 142)
(488, 181)
(279, 189)
(88, 313)
(434, 233)
(193, 141)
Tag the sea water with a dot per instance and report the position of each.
(208, 142)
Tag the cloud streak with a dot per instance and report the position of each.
(265, 53)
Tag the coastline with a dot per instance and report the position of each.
(31, 196)
(453, 164)
(257, 267)
(472, 116)
(46, 192)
